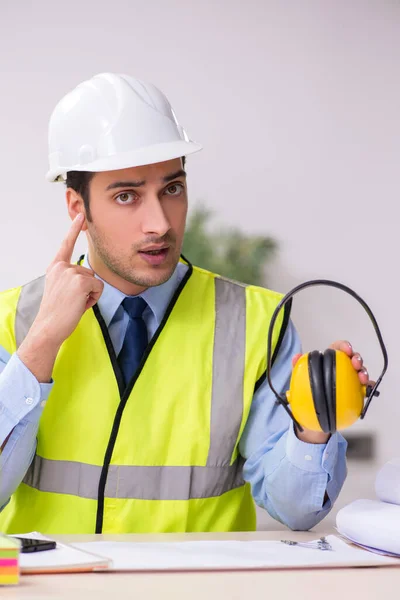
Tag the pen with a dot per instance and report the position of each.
(321, 544)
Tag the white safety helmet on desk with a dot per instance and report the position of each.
(113, 122)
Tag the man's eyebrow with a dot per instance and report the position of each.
(135, 184)
(168, 178)
(123, 184)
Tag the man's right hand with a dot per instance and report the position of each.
(69, 291)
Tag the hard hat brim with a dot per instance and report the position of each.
(136, 158)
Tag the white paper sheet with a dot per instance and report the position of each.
(131, 556)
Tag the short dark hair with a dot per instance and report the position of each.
(79, 181)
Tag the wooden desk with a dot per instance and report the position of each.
(316, 584)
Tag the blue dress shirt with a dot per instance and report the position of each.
(288, 477)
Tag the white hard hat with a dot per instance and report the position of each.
(113, 122)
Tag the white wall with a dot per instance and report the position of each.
(297, 106)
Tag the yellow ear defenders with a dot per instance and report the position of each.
(325, 392)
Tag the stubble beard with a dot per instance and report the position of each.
(122, 267)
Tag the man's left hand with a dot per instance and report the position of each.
(316, 437)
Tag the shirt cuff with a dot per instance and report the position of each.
(20, 392)
(314, 458)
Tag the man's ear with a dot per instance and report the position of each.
(75, 205)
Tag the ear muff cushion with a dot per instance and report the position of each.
(315, 371)
(329, 372)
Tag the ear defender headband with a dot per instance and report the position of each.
(325, 392)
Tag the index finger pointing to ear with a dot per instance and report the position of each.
(67, 247)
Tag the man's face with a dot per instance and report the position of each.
(138, 220)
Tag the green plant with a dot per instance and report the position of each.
(227, 251)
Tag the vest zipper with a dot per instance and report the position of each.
(125, 392)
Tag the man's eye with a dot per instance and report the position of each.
(175, 190)
(125, 198)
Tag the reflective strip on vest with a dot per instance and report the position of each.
(143, 483)
(27, 308)
(164, 482)
(228, 357)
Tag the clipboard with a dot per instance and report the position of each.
(65, 558)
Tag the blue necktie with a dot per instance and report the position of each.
(135, 341)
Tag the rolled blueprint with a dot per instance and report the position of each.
(371, 523)
(387, 483)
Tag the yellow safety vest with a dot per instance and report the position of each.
(160, 455)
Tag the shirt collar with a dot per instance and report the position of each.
(157, 297)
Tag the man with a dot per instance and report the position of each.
(133, 395)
